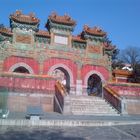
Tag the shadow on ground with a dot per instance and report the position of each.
(34, 134)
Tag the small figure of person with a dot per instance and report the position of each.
(63, 82)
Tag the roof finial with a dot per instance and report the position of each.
(53, 14)
(32, 15)
(98, 29)
(18, 12)
(86, 27)
(67, 17)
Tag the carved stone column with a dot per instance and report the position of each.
(1, 65)
(41, 58)
(52, 38)
(69, 41)
(41, 68)
(3, 56)
(110, 69)
(79, 80)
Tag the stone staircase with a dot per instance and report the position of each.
(91, 105)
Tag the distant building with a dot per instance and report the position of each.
(127, 67)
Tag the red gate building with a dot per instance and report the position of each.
(31, 60)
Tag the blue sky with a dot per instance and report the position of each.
(119, 18)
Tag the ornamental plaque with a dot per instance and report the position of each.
(61, 40)
(94, 49)
(26, 39)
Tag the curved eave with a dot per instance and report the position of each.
(23, 21)
(41, 35)
(109, 49)
(7, 33)
(63, 22)
(122, 73)
(95, 34)
(78, 40)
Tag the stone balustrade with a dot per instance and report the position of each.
(113, 98)
(125, 89)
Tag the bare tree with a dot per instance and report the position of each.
(131, 55)
(117, 64)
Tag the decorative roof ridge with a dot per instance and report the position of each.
(94, 31)
(78, 38)
(108, 46)
(43, 33)
(67, 20)
(18, 16)
(6, 31)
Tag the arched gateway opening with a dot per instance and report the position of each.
(63, 76)
(66, 75)
(21, 70)
(94, 85)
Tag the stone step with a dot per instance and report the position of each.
(88, 101)
(95, 108)
(92, 99)
(88, 112)
(83, 96)
(96, 114)
(90, 105)
(78, 102)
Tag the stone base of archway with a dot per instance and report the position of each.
(79, 89)
(94, 94)
(85, 92)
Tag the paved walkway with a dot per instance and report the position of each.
(123, 132)
(127, 132)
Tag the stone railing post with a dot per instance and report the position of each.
(123, 106)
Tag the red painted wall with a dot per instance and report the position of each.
(53, 61)
(28, 84)
(88, 68)
(29, 61)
